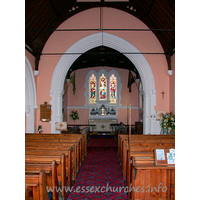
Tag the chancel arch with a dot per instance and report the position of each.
(121, 45)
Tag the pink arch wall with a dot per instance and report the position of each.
(112, 18)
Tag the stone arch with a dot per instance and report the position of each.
(119, 44)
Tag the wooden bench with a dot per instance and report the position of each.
(139, 147)
(54, 147)
(37, 184)
(70, 167)
(51, 174)
(62, 138)
(61, 167)
(133, 158)
(81, 144)
(83, 138)
(55, 143)
(139, 169)
(150, 142)
(153, 182)
(66, 149)
(141, 137)
(125, 159)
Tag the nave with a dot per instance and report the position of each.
(98, 169)
(100, 176)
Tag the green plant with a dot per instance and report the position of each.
(168, 123)
(74, 115)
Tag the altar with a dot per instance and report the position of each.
(102, 125)
(102, 116)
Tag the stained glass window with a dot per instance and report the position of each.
(102, 87)
(92, 89)
(113, 89)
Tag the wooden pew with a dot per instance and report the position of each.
(58, 144)
(61, 138)
(141, 137)
(148, 146)
(152, 142)
(36, 183)
(27, 190)
(61, 166)
(147, 137)
(138, 164)
(154, 182)
(51, 174)
(71, 172)
(78, 141)
(146, 161)
(65, 148)
(83, 138)
(133, 158)
(140, 149)
(142, 144)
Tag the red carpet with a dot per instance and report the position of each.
(102, 142)
(100, 176)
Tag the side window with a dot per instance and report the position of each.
(102, 87)
(113, 89)
(92, 89)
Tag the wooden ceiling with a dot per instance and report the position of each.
(42, 17)
(103, 56)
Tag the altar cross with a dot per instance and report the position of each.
(102, 111)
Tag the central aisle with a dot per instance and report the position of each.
(100, 176)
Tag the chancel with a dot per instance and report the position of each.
(107, 71)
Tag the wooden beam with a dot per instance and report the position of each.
(168, 57)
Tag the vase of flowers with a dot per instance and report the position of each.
(74, 115)
(167, 123)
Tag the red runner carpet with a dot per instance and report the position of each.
(102, 142)
(100, 176)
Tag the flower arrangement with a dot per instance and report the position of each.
(74, 115)
(168, 123)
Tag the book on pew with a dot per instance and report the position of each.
(164, 156)
(171, 157)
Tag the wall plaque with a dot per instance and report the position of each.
(45, 112)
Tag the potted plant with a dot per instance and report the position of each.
(167, 123)
(74, 115)
(40, 129)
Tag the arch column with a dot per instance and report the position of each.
(30, 97)
(149, 115)
(146, 112)
(119, 44)
(56, 103)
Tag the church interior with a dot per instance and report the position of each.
(100, 99)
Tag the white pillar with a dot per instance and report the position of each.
(147, 112)
(151, 126)
(56, 103)
(30, 97)
(140, 94)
